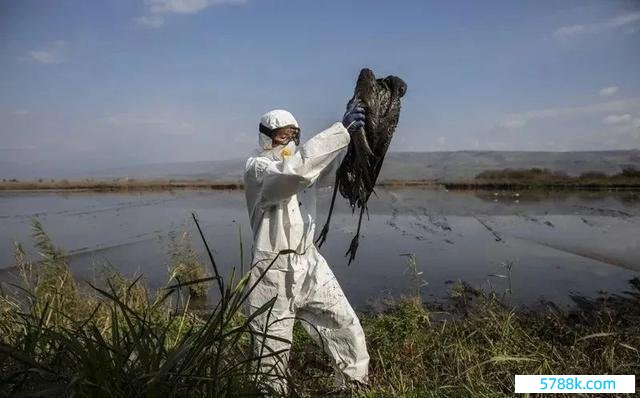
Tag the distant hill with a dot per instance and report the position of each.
(459, 165)
(219, 170)
(450, 166)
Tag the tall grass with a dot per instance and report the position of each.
(120, 339)
(185, 264)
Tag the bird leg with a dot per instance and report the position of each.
(354, 242)
(362, 144)
(325, 230)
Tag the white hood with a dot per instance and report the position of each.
(272, 120)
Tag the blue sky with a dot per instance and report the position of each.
(90, 85)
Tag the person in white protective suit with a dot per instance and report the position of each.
(281, 201)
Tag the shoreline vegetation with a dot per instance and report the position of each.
(503, 179)
(113, 337)
(121, 184)
(537, 178)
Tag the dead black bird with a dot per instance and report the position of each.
(358, 172)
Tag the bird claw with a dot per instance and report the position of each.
(323, 235)
(353, 248)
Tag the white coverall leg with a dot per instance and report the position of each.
(280, 193)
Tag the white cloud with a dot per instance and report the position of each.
(617, 119)
(52, 54)
(566, 32)
(623, 123)
(520, 119)
(156, 9)
(572, 31)
(177, 6)
(150, 21)
(441, 140)
(20, 112)
(608, 91)
(513, 121)
(45, 57)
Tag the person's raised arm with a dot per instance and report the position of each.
(282, 179)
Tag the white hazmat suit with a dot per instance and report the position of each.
(281, 200)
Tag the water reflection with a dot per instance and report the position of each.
(559, 243)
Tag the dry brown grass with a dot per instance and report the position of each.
(116, 185)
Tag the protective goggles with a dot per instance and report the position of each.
(295, 136)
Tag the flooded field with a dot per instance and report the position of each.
(541, 245)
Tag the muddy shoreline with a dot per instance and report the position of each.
(166, 185)
(118, 185)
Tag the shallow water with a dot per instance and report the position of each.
(556, 243)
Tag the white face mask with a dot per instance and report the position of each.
(286, 151)
(282, 152)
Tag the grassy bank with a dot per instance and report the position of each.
(536, 178)
(506, 179)
(115, 185)
(150, 185)
(63, 337)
